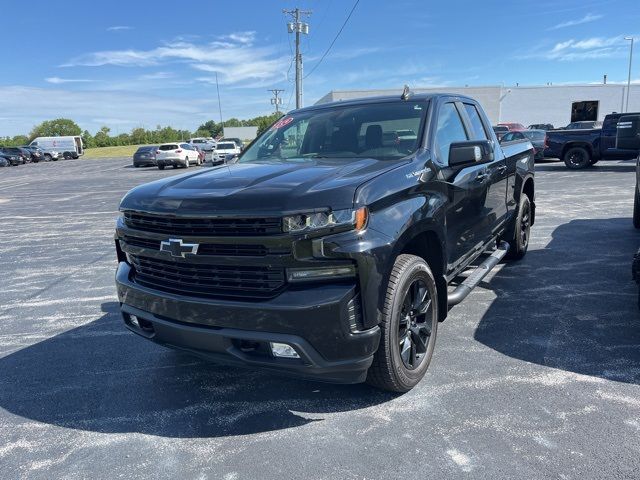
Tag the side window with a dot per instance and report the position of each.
(449, 130)
(507, 137)
(518, 136)
(478, 130)
(610, 123)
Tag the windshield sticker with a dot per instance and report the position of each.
(283, 122)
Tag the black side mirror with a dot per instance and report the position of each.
(470, 152)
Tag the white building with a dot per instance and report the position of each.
(243, 133)
(527, 105)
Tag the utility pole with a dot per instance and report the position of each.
(219, 105)
(629, 77)
(298, 27)
(276, 100)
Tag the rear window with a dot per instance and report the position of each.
(500, 129)
(533, 135)
(144, 149)
(168, 147)
(226, 146)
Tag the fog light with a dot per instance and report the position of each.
(283, 350)
(302, 274)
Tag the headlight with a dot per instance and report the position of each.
(314, 221)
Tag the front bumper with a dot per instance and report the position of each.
(313, 319)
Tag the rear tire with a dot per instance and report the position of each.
(636, 209)
(186, 162)
(160, 167)
(519, 242)
(577, 158)
(408, 328)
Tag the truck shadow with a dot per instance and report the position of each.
(572, 305)
(101, 377)
(616, 166)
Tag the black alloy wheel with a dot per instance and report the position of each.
(414, 326)
(577, 158)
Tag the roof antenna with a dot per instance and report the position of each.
(406, 93)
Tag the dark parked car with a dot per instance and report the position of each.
(583, 125)
(540, 126)
(17, 156)
(145, 156)
(538, 139)
(23, 154)
(4, 162)
(12, 159)
(583, 148)
(328, 258)
(36, 153)
(500, 130)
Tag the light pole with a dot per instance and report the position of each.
(629, 77)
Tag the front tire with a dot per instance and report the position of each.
(408, 328)
(577, 158)
(160, 167)
(186, 162)
(519, 244)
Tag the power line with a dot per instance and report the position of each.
(334, 39)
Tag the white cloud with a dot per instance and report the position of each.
(118, 28)
(589, 17)
(58, 80)
(234, 57)
(585, 49)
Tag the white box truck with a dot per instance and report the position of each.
(56, 147)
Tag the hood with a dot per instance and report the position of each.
(259, 188)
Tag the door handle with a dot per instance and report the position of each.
(502, 168)
(481, 176)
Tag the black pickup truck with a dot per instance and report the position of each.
(583, 148)
(326, 251)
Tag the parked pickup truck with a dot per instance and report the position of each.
(327, 249)
(583, 148)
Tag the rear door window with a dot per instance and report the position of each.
(477, 128)
(450, 129)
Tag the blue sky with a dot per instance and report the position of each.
(141, 63)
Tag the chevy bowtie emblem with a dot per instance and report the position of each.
(178, 249)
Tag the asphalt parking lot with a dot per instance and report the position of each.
(535, 375)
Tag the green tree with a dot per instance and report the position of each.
(88, 139)
(102, 138)
(54, 128)
(139, 136)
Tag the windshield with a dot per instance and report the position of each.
(378, 130)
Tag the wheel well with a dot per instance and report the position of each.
(427, 246)
(529, 191)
